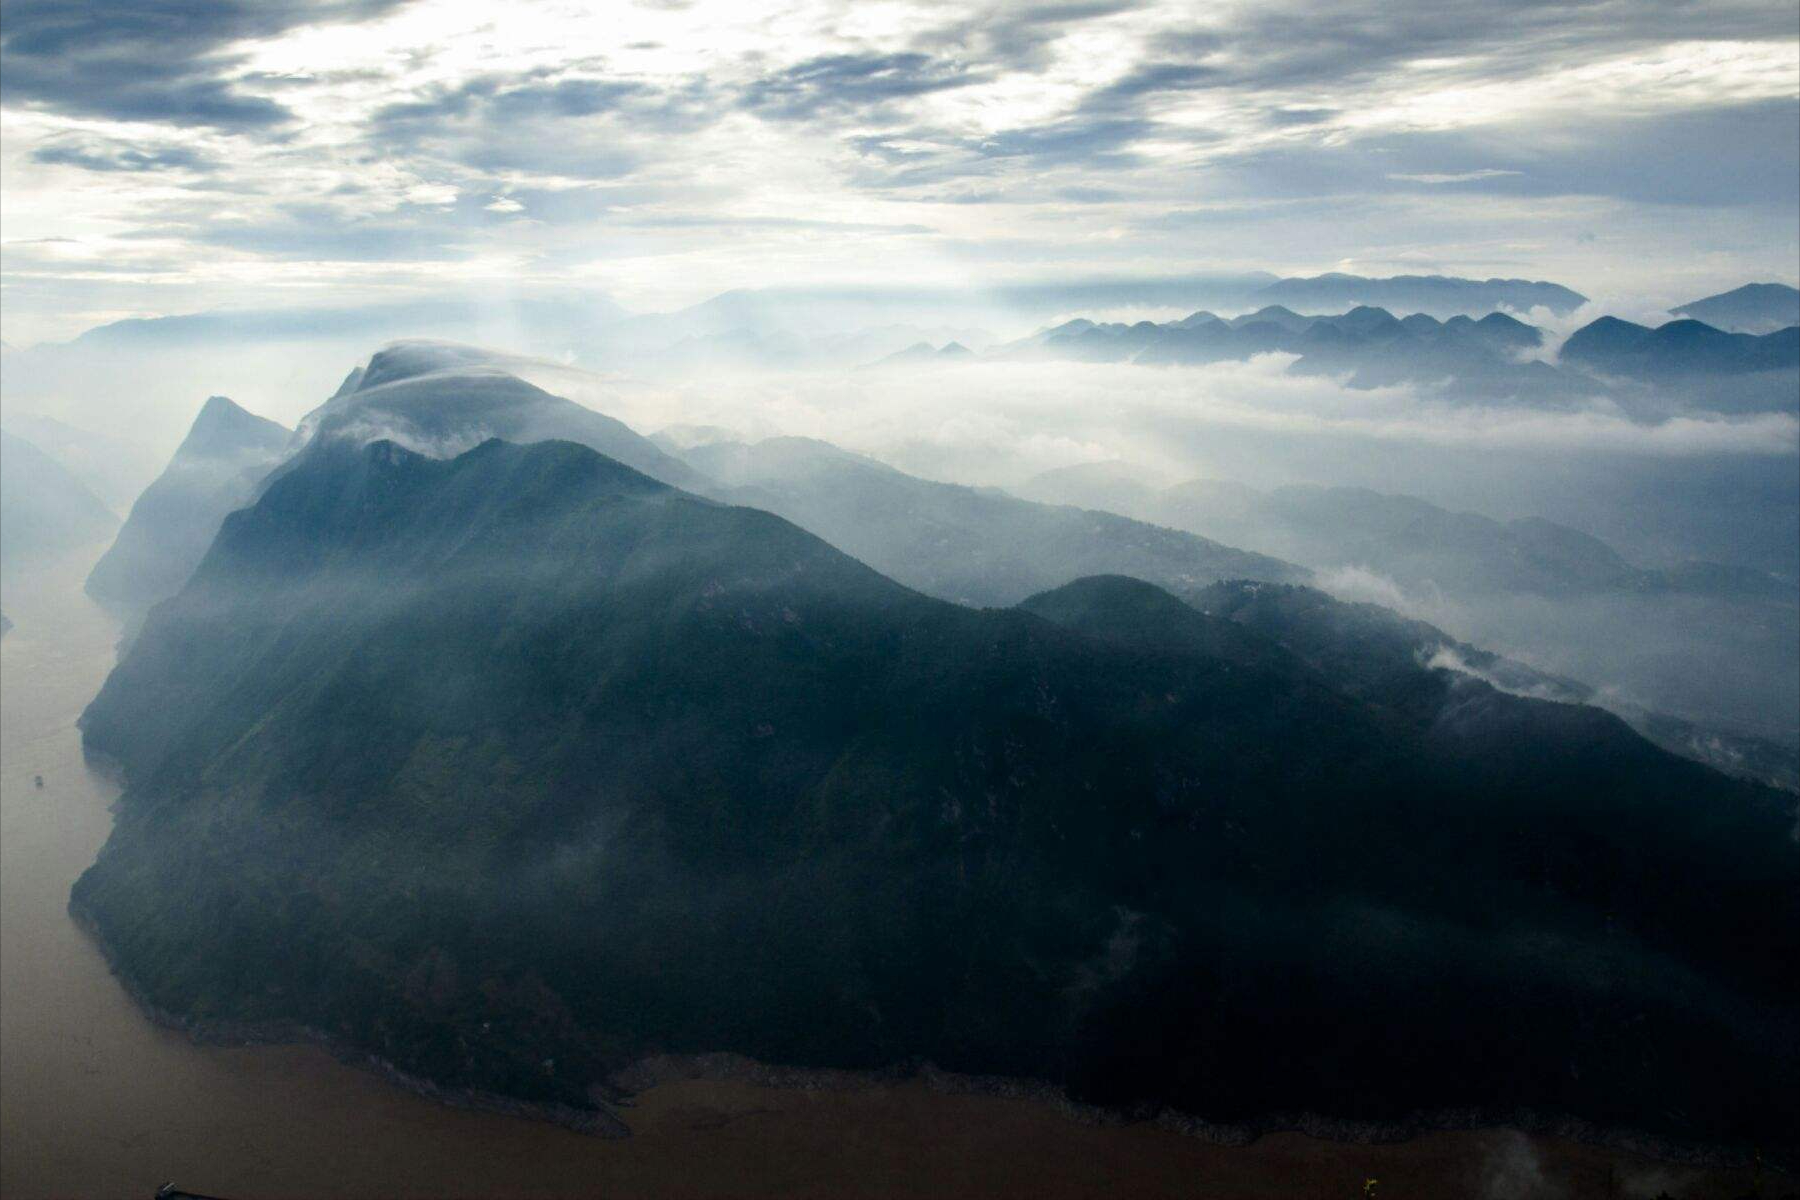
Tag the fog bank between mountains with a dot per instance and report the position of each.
(999, 424)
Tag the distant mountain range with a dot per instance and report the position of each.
(48, 512)
(971, 545)
(785, 328)
(154, 366)
(1753, 308)
(1711, 641)
(775, 321)
(1684, 347)
(1409, 540)
(509, 768)
(1496, 359)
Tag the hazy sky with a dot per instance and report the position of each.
(173, 155)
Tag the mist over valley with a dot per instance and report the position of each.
(697, 599)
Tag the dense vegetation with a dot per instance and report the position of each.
(514, 767)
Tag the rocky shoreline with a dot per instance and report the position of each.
(598, 1122)
(658, 1069)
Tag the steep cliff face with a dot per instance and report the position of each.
(215, 470)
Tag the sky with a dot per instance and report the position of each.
(171, 156)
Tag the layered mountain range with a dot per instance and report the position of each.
(1709, 642)
(513, 766)
(150, 366)
(1496, 359)
(971, 545)
(1540, 591)
(440, 399)
(1753, 308)
(1412, 541)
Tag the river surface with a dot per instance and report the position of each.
(96, 1101)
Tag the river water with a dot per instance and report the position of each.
(96, 1101)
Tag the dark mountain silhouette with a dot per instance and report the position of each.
(1496, 359)
(1702, 366)
(1370, 347)
(511, 768)
(972, 545)
(45, 511)
(1709, 641)
(215, 470)
(1618, 347)
(1364, 646)
(1753, 308)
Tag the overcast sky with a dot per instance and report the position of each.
(174, 155)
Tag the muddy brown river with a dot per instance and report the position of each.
(96, 1101)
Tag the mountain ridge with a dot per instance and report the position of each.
(1752, 308)
(516, 765)
(215, 469)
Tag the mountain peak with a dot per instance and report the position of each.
(224, 429)
(443, 398)
(1752, 308)
(415, 357)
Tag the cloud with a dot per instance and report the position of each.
(413, 232)
(999, 423)
(1294, 46)
(545, 121)
(839, 83)
(1458, 177)
(688, 147)
(162, 60)
(112, 154)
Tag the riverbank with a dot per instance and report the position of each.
(662, 1071)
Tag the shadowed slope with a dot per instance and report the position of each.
(513, 768)
(214, 471)
(971, 545)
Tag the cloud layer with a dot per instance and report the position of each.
(1000, 423)
(186, 153)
